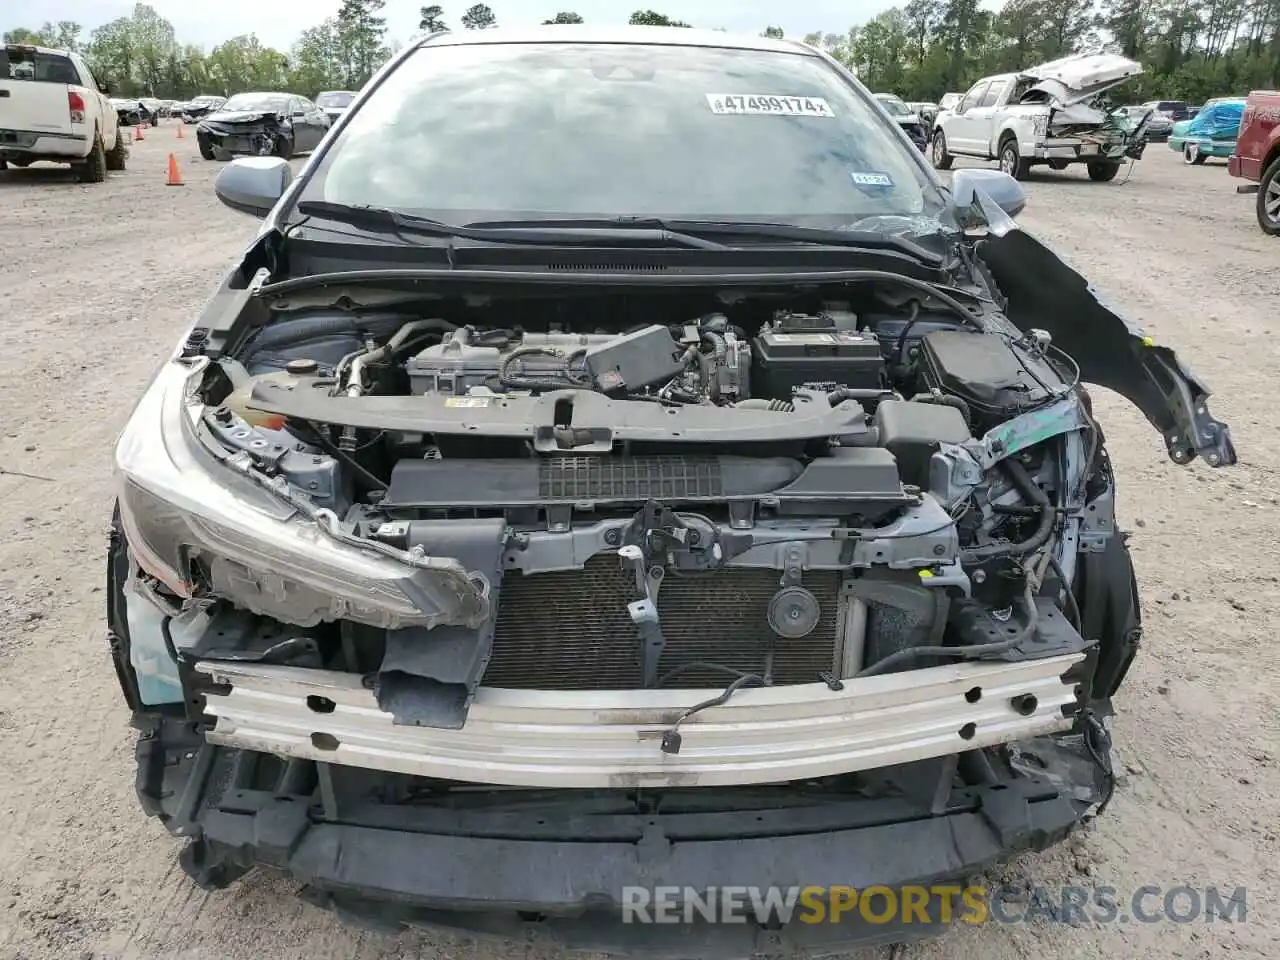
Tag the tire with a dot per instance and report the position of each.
(1269, 199)
(1191, 154)
(4, 164)
(1102, 171)
(155, 121)
(942, 160)
(1011, 161)
(94, 169)
(206, 148)
(20, 164)
(284, 148)
(118, 155)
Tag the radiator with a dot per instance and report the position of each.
(570, 630)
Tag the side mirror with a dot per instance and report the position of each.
(995, 185)
(253, 184)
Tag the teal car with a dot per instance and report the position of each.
(1211, 133)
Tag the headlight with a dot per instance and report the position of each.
(181, 510)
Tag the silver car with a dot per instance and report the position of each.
(618, 464)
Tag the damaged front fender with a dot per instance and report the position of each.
(1044, 293)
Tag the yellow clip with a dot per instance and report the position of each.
(1148, 341)
(926, 574)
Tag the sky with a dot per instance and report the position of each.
(278, 22)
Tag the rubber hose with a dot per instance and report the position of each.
(1035, 497)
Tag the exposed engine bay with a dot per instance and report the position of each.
(767, 492)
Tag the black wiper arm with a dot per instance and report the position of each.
(584, 233)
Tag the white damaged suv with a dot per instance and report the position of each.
(1044, 115)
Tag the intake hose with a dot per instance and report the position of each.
(355, 381)
(1034, 497)
(837, 397)
(946, 400)
(965, 653)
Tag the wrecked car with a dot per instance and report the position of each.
(197, 108)
(335, 102)
(262, 125)
(1053, 114)
(133, 113)
(1211, 132)
(517, 526)
(911, 122)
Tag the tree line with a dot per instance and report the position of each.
(1191, 49)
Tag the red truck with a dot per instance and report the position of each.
(1257, 156)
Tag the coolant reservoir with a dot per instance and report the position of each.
(239, 399)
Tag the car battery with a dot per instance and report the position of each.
(787, 358)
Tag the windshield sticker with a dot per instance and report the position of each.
(757, 104)
(871, 179)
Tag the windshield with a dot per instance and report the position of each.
(553, 130)
(895, 106)
(256, 101)
(335, 99)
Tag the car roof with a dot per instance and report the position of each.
(585, 33)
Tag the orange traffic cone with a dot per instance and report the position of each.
(181, 135)
(175, 175)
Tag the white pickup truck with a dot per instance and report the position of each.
(52, 108)
(1048, 114)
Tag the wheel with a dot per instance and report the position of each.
(1101, 171)
(941, 159)
(1269, 199)
(155, 121)
(4, 164)
(1011, 162)
(94, 168)
(1191, 154)
(206, 148)
(1058, 164)
(119, 154)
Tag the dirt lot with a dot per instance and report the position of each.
(96, 284)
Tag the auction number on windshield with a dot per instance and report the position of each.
(768, 104)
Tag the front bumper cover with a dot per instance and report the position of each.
(527, 869)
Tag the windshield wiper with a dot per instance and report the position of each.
(587, 233)
(820, 236)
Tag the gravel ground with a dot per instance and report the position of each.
(96, 284)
